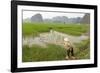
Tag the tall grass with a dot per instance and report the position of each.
(53, 52)
(83, 49)
(37, 53)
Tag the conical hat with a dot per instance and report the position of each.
(66, 39)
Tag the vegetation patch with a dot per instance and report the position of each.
(36, 28)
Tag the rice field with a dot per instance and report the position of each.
(71, 29)
(53, 52)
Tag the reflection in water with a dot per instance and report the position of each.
(52, 38)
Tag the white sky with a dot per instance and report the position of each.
(46, 15)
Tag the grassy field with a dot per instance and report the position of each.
(54, 52)
(36, 28)
(37, 53)
(83, 49)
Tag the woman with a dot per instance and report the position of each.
(69, 48)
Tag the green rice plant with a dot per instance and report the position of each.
(36, 28)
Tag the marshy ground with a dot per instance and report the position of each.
(39, 44)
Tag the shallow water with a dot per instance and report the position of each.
(53, 37)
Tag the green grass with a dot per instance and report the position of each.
(36, 28)
(53, 52)
(83, 49)
(37, 53)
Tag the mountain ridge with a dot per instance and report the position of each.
(60, 19)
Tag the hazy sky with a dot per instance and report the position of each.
(45, 15)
